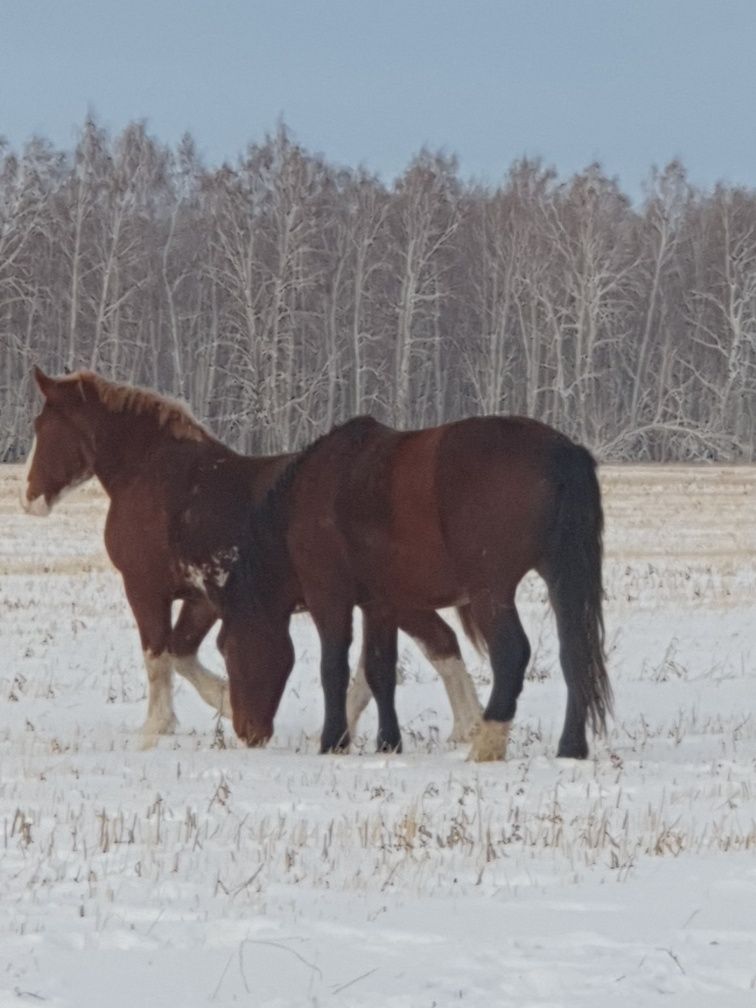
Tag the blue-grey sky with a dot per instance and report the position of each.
(629, 83)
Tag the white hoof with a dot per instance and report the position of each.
(152, 730)
(490, 742)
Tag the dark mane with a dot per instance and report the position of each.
(269, 519)
(272, 510)
(170, 414)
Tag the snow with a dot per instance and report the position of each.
(202, 873)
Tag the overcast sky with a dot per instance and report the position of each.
(629, 83)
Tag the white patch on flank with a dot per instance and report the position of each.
(195, 575)
(216, 570)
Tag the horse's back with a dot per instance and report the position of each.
(343, 466)
(425, 516)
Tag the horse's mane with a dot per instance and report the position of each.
(273, 507)
(268, 520)
(170, 414)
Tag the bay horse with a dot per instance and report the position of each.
(179, 510)
(394, 521)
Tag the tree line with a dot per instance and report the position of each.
(281, 294)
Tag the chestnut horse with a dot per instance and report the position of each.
(179, 512)
(394, 521)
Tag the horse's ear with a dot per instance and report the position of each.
(47, 386)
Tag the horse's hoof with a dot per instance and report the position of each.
(337, 745)
(490, 742)
(386, 745)
(572, 751)
(152, 730)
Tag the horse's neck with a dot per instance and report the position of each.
(124, 447)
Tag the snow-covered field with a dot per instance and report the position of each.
(201, 873)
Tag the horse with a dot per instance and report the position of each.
(179, 506)
(392, 521)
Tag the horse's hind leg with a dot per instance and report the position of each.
(509, 652)
(440, 646)
(573, 743)
(380, 671)
(359, 694)
(196, 617)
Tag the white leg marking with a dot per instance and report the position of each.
(161, 719)
(460, 689)
(463, 699)
(211, 687)
(490, 743)
(359, 695)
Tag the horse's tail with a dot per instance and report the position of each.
(572, 570)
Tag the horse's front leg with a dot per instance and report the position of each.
(195, 619)
(334, 624)
(259, 658)
(152, 613)
(380, 651)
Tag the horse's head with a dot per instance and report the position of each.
(62, 455)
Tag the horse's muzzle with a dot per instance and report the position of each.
(38, 506)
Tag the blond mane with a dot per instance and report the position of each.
(170, 414)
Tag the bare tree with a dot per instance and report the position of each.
(280, 294)
(425, 219)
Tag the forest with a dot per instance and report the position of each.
(281, 294)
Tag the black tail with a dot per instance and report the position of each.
(573, 574)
